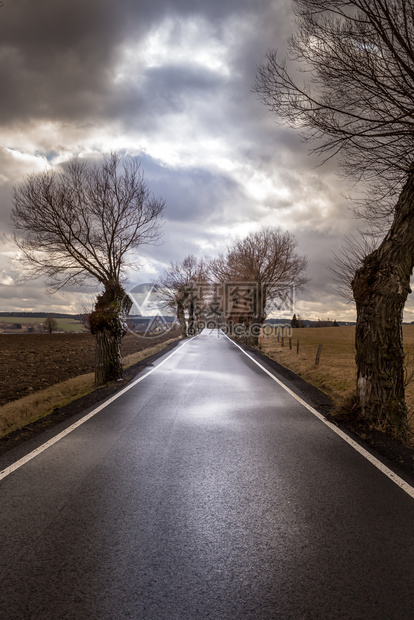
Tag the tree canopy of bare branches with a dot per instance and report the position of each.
(353, 93)
(180, 288)
(84, 222)
(269, 258)
(50, 325)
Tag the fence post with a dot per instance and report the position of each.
(297, 348)
(290, 342)
(318, 355)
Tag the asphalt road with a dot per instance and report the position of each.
(205, 491)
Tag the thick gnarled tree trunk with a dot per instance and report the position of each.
(380, 288)
(108, 359)
(108, 324)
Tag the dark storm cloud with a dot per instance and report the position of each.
(233, 108)
(56, 58)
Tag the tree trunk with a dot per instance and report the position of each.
(259, 315)
(181, 319)
(108, 324)
(380, 288)
(191, 318)
(108, 360)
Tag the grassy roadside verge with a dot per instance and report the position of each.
(17, 414)
(335, 375)
(336, 372)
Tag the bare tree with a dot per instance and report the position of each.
(180, 288)
(50, 325)
(349, 258)
(268, 265)
(356, 101)
(81, 225)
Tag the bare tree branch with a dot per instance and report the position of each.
(356, 100)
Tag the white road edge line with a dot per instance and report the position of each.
(372, 459)
(11, 468)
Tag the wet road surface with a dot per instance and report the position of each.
(205, 491)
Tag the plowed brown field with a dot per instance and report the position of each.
(32, 362)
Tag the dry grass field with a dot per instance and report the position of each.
(336, 373)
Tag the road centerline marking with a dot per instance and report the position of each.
(28, 457)
(405, 486)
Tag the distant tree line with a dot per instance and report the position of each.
(298, 322)
(40, 315)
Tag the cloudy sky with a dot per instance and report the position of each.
(170, 82)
